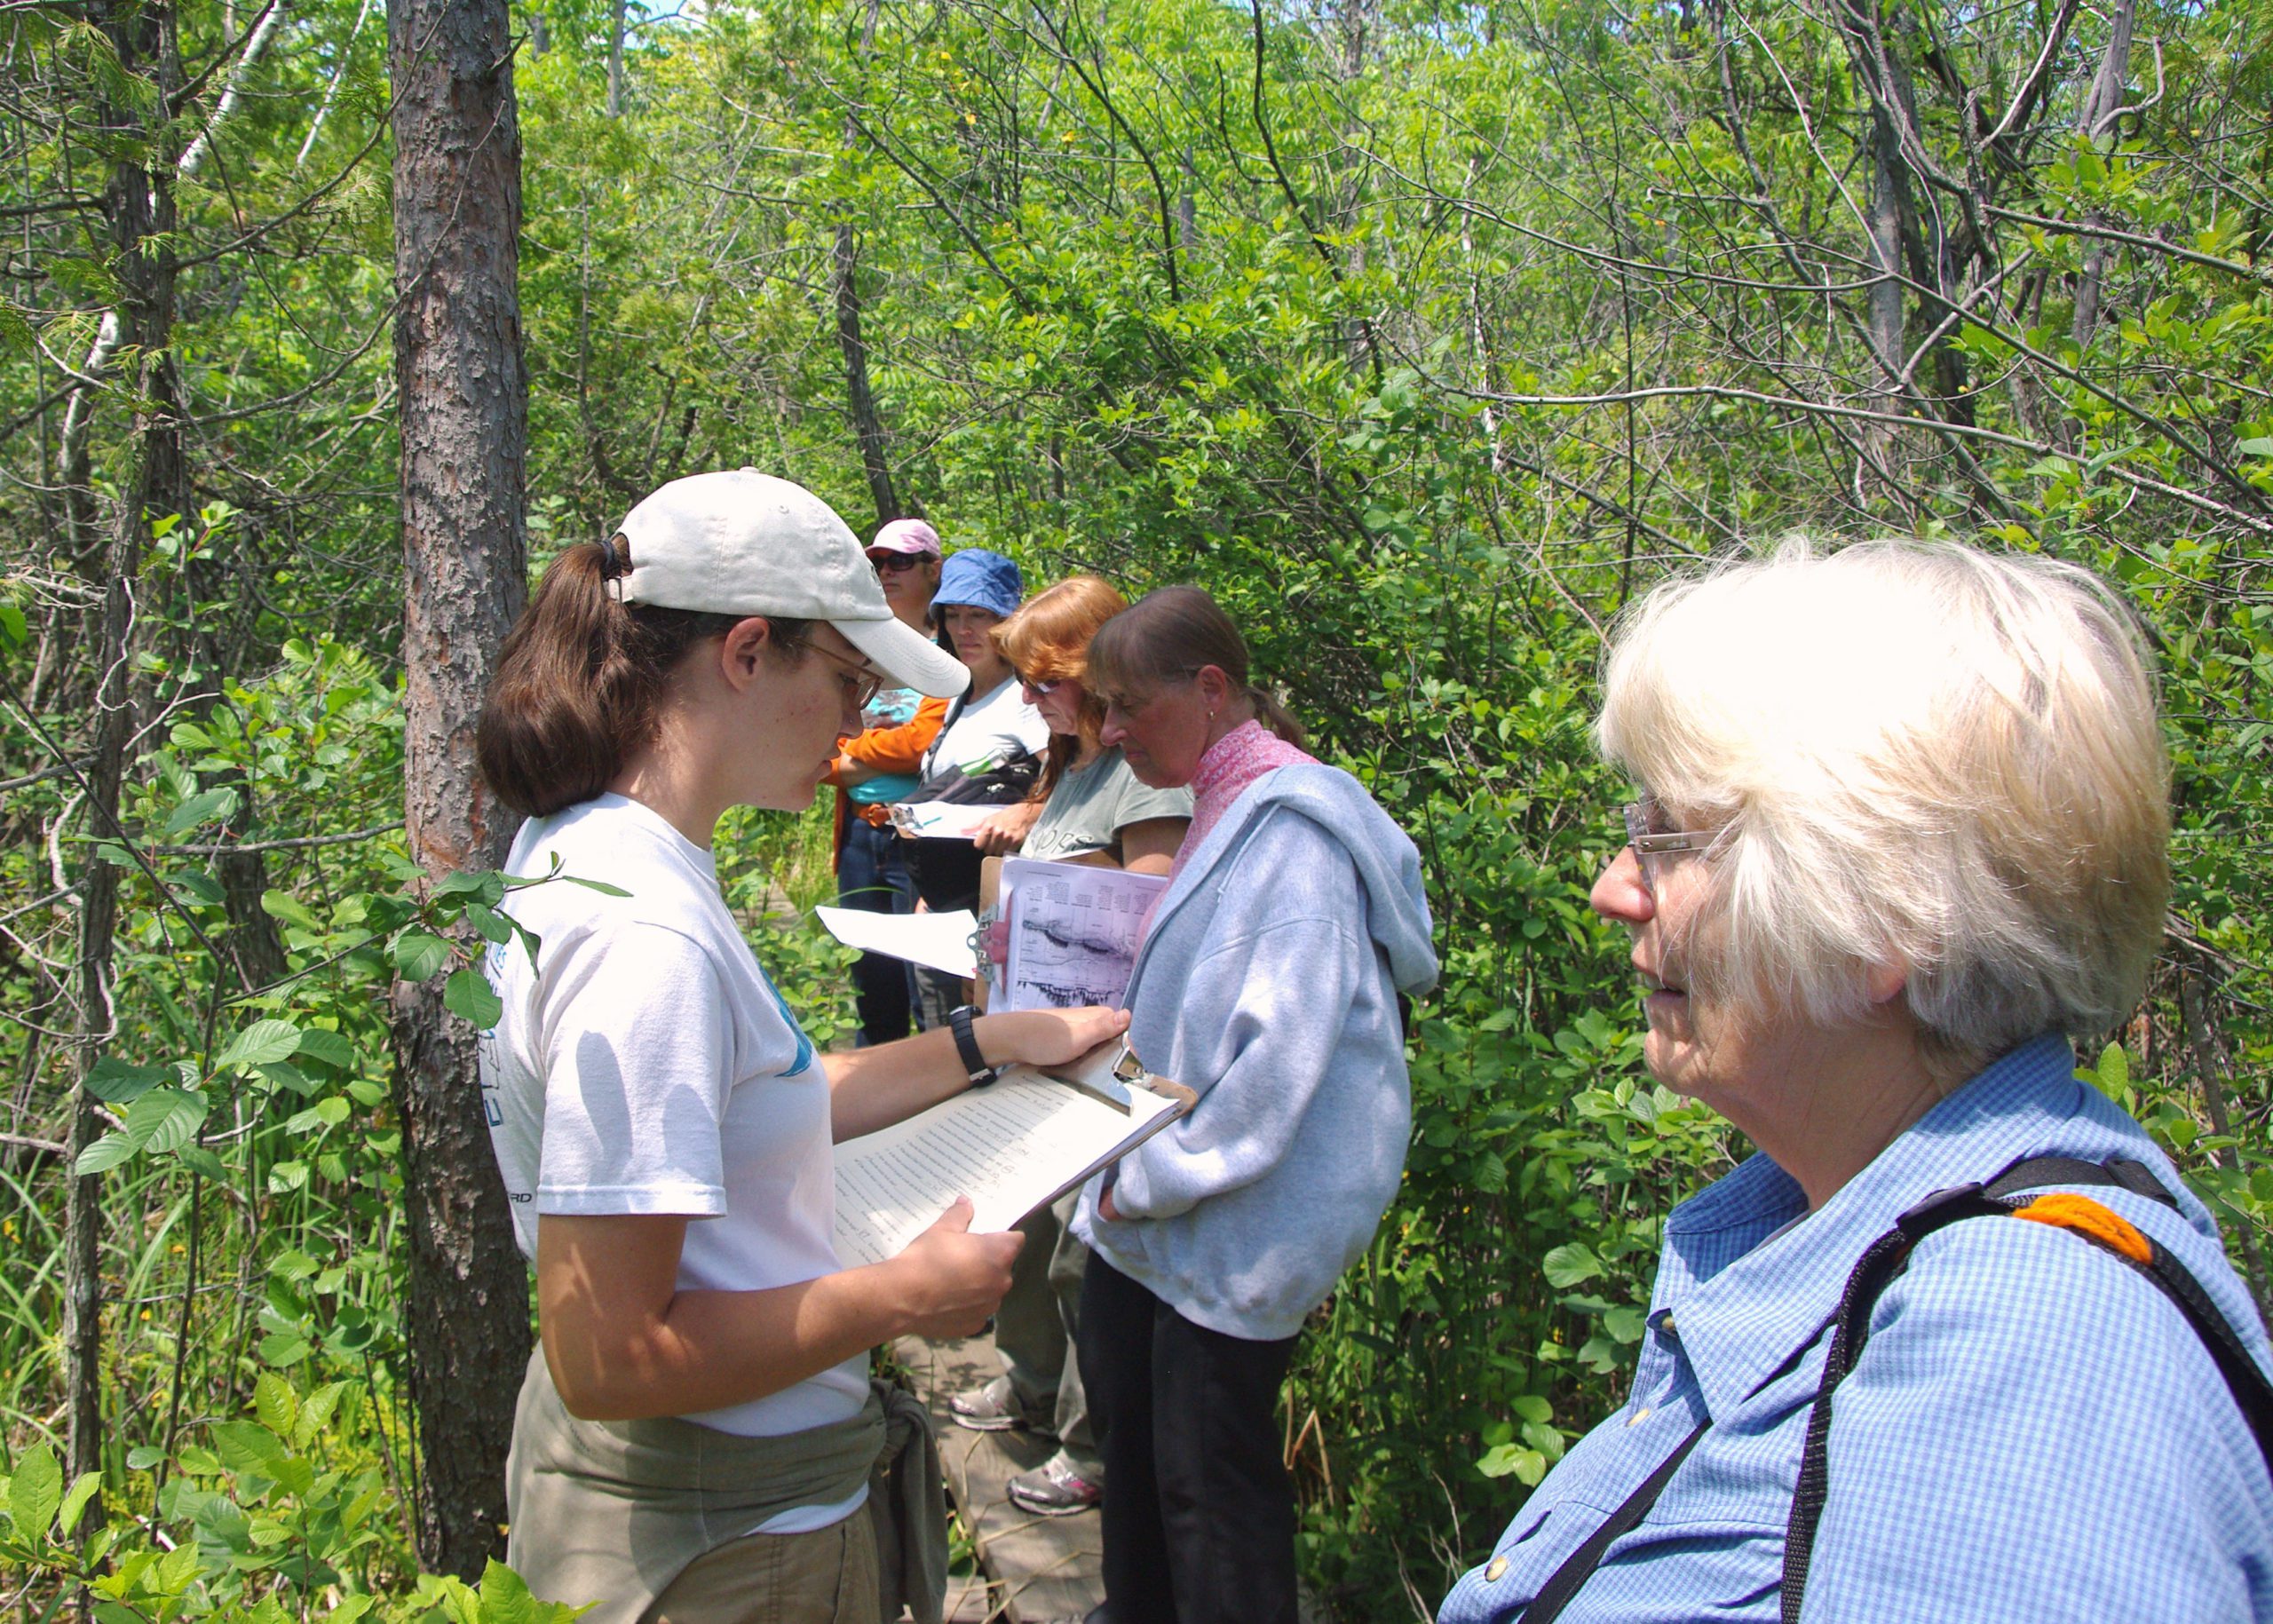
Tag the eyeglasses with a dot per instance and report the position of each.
(1647, 843)
(894, 563)
(1044, 689)
(870, 681)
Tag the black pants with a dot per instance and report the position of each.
(1199, 1512)
(871, 874)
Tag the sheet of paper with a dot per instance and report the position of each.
(1009, 1147)
(1075, 931)
(939, 820)
(938, 941)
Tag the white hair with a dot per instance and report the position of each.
(1918, 755)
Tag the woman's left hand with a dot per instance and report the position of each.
(1047, 1037)
(1006, 831)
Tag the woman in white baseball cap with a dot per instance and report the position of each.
(696, 1434)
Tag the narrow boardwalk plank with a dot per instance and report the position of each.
(1038, 1568)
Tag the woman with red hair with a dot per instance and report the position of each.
(1092, 809)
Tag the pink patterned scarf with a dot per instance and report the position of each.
(1231, 764)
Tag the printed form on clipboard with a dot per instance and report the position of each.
(1073, 932)
(1013, 1146)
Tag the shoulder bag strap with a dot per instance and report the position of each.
(1887, 1257)
(1580, 1565)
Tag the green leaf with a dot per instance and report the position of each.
(467, 993)
(76, 1501)
(211, 807)
(326, 1047)
(12, 625)
(2113, 1072)
(165, 1119)
(419, 954)
(246, 1447)
(284, 1074)
(104, 1154)
(284, 906)
(259, 1044)
(505, 1598)
(274, 1401)
(1569, 1263)
(601, 886)
(35, 1491)
(489, 922)
(1527, 1466)
(115, 1083)
(488, 886)
(1626, 1324)
(2260, 447)
(329, 1112)
(142, 1457)
(201, 1162)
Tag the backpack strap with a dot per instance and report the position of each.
(1887, 1256)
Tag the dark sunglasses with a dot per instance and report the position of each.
(894, 563)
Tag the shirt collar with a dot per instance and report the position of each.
(1748, 1297)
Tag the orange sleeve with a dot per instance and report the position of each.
(899, 750)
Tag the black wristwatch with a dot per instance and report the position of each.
(974, 1062)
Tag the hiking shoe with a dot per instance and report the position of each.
(992, 1408)
(1055, 1489)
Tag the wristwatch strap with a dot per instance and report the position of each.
(974, 1062)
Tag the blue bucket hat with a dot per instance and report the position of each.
(982, 579)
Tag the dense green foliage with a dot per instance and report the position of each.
(1426, 338)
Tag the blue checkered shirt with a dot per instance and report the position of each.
(2033, 1432)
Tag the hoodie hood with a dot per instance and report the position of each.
(1388, 862)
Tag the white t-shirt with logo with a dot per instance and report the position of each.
(646, 1064)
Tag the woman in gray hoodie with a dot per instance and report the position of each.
(1267, 983)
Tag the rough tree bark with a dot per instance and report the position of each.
(464, 392)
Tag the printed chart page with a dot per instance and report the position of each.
(1011, 1146)
(1075, 931)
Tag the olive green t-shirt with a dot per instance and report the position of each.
(1092, 804)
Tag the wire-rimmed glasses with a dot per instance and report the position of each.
(1647, 842)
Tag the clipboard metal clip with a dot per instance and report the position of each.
(1111, 1084)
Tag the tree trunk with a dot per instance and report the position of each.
(845, 269)
(2102, 105)
(871, 432)
(615, 60)
(139, 209)
(464, 392)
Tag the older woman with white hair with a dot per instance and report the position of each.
(1957, 1342)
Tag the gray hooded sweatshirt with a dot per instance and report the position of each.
(1268, 984)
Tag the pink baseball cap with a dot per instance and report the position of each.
(911, 537)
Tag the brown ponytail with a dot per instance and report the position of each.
(1168, 635)
(582, 679)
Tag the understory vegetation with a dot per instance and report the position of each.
(1426, 336)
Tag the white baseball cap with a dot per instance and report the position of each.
(744, 543)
